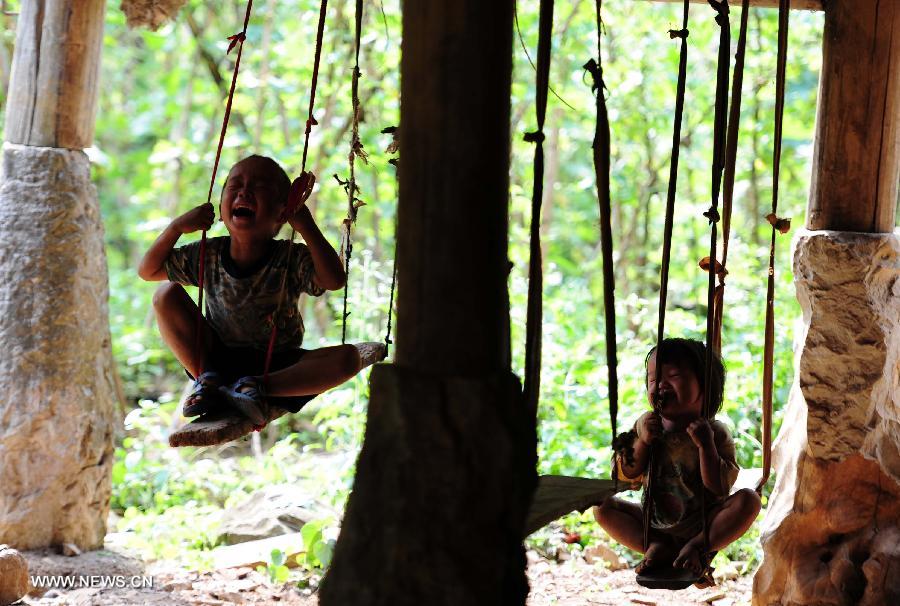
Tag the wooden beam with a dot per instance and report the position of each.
(808, 5)
(53, 86)
(856, 159)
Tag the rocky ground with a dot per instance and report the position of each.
(571, 583)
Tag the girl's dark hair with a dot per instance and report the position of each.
(691, 354)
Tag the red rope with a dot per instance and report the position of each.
(301, 184)
(235, 40)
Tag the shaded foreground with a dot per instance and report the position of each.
(569, 584)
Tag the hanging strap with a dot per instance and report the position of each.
(533, 319)
(236, 40)
(673, 184)
(303, 183)
(778, 225)
(601, 147)
(356, 149)
(667, 240)
(718, 166)
(393, 148)
(731, 144)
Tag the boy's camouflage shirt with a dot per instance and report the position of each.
(239, 304)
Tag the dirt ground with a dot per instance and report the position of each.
(572, 583)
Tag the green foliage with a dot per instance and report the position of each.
(318, 544)
(179, 532)
(319, 537)
(276, 569)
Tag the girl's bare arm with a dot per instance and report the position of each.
(718, 471)
(647, 429)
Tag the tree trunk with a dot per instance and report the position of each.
(448, 462)
(58, 402)
(832, 531)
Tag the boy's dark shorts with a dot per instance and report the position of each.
(232, 363)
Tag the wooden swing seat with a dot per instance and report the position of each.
(673, 579)
(558, 495)
(226, 425)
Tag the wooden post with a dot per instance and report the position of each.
(53, 85)
(453, 307)
(449, 455)
(856, 162)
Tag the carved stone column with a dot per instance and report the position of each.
(57, 403)
(832, 531)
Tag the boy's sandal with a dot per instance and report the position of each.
(246, 396)
(204, 394)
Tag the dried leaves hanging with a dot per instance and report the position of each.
(782, 225)
(394, 145)
(150, 13)
(720, 269)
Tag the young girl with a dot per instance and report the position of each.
(691, 454)
(251, 280)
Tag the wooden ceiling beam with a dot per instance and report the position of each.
(808, 5)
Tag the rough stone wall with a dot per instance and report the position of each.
(57, 405)
(150, 13)
(832, 530)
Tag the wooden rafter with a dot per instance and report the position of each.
(809, 5)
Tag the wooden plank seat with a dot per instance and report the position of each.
(226, 425)
(558, 495)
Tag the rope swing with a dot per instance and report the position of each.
(226, 425)
(557, 495)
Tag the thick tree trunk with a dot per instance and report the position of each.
(832, 531)
(449, 457)
(57, 408)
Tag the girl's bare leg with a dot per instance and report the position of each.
(726, 525)
(624, 522)
(176, 316)
(318, 371)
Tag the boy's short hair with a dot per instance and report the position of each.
(691, 354)
(279, 176)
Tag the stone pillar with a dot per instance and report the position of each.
(57, 406)
(832, 531)
(57, 403)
